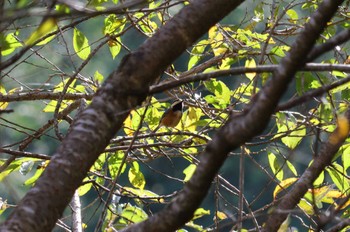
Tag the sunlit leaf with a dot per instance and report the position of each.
(114, 47)
(200, 212)
(85, 188)
(189, 172)
(133, 214)
(81, 44)
(306, 206)
(143, 193)
(275, 166)
(336, 172)
(250, 63)
(283, 185)
(8, 44)
(136, 177)
(319, 179)
(3, 105)
(292, 168)
(34, 178)
(293, 15)
(49, 25)
(115, 163)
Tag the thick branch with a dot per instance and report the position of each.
(240, 128)
(324, 158)
(91, 132)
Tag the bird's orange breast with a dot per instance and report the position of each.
(171, 119)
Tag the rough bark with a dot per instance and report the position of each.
(241, 128)
(124, 89)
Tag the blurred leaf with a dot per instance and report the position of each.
(200, 212)
(196, 53)
(98, 77)
(288, 126)
(142, 193)
(113, 24)
(114, 47)
(346, 157)
(3, 105)
(115, 162)
(8, 44)
(250, 63)
(46, 27)
(306, 206)
(85, 188)
(81, 44)
(62, 8)
(293, 15)
(292, 168)
(216, 40)
(338, 176)
(36, 176)
(189, 172)
(285, 225)
(221, 91)
(220, 215)
(319, 179)
(283, 185)
(275, 166)
(133, 214)
(136, 177)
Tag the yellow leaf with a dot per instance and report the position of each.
(3, 105)
(250, 64)
(283, 185)
(128, 125)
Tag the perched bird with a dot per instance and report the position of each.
(172, 116)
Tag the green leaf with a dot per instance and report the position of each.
(81, 44)
(114, 47)
(319, 179)
(136, 177)
(49, 25)
(133, 214)
(346, 157)
(62, 8)
(288, 126)
(8, 44)
(12, 167)
(200, 212)
(143, 193)
(306, 206)
(36, 176)
(338, 176)
(220, 90)
(98, 77)
(292, 168)
(115, 162)
(294, 138)
(113, 24)
(196, 53)
(3, 105)
(293, 15)
(189, 172)
(275, 166)
(85, 188)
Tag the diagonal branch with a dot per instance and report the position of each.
(240, 128)
(124, 89)
(323, 159)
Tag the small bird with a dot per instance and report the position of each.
(172, 116)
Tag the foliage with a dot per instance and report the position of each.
(66, 57)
